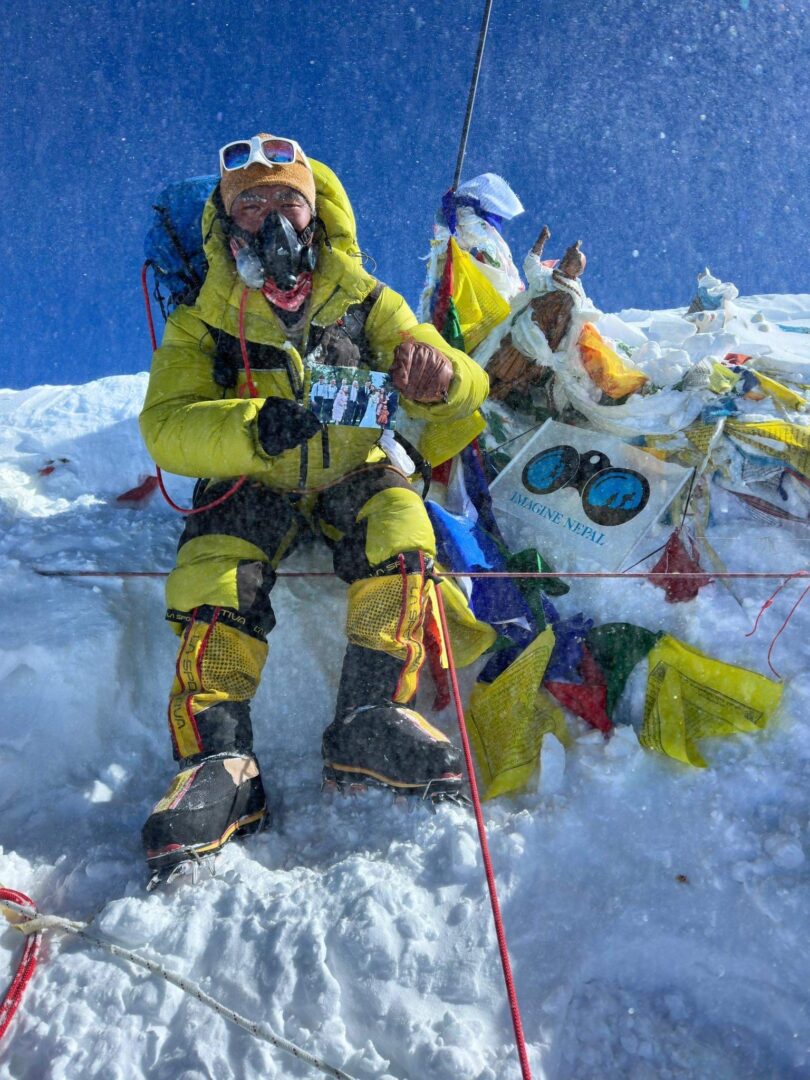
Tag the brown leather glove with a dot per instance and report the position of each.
(421, 372)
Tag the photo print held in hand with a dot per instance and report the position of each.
(352, 397)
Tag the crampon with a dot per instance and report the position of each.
(448, 788)
(197, 863)
(195, 867)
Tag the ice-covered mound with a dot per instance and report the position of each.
(656, 916)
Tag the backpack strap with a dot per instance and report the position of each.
(171, 232)
(344, 343)
(228, 357)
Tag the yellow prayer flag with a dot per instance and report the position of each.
(778, 438)
(691, 696)
(442, 439)
(509, 717)
(782, 393)
(479, 305)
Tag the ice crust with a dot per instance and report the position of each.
(656, 916)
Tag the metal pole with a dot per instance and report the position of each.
(482, 39)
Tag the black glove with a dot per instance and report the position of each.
(284, 424)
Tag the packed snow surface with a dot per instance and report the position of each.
(656, 915)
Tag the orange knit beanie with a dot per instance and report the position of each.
(297, 175)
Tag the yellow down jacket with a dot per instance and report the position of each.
(192, 426)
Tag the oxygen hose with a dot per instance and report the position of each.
(249, 384)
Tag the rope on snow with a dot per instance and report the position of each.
(721, 575)
(758, 574)
(769, 603)
(28, 961)
(36, 923)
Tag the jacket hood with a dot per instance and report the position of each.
(339, 278)
(332, 206)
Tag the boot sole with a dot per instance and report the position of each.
(437, 788)
(177, 853)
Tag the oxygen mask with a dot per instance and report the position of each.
(275, 252)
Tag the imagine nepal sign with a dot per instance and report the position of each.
(582, 498)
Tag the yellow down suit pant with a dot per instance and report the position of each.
(218, 599)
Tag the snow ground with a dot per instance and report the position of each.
(655, 914)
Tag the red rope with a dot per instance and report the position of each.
(772, 597)
(611, 574)
(769, 603)
(243, 344)
(781, 628)
(439, 573)
(188, 511)
(26, 966)
(251, 387)
(758, 575)
(520, 1041)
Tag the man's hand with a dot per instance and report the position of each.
(421, 372)
(540, 242)
(284, 424)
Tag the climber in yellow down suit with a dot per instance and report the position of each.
(228, 397)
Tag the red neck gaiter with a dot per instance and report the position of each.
(293, 298)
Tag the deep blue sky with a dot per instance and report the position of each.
(667, 135)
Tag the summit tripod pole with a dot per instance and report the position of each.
(482, 40)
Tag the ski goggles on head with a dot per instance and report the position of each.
(243, 152)
(611, 495)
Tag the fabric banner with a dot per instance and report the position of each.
(585, 496)
(617, 648)
(605, 367)
(691, 696)
(466, 306)
(776, 438)
(509, 717)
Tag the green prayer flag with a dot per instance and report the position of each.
(617, 648)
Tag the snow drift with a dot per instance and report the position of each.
(656, 915)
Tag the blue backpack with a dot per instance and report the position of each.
(174, 244)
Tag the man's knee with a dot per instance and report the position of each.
(224, 572)
(390, 523)
(254, 514)
(226, 555)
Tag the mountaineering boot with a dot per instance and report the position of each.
(374, 736)
(218, 792)
(205, 805)
(395, 747)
